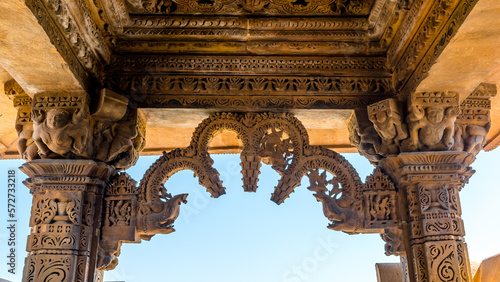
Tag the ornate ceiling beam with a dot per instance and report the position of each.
(406, 33)
(78, 39)
(27, 53)
(430, 25)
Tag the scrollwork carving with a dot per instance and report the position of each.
(44, 211)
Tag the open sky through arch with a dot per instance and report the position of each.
(243, 236)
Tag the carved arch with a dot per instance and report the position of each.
(276, 139)
(280, 140)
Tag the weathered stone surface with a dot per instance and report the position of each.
(389, 272)
(28, 54)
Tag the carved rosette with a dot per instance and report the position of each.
(65, 216)
(429, 183)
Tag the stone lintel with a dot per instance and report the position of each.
(28, 54)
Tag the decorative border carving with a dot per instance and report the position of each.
(242, 64)
(68, 41)
(245, 91)
(440, 26)
(256, 102)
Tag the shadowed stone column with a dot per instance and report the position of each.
(65, 218)
(427, 148)
(428, 185)
(74, 156)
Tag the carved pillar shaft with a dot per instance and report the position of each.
(65, 218)
(429, 205)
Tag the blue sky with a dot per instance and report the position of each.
(244, 236)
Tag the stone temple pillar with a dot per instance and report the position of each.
(73, 156)
(427, 147)
(429, 206)
(65, 218)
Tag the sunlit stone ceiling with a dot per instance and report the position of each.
(324, 58)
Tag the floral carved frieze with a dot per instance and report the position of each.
(260, 91)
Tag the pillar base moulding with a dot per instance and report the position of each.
(429, 208)
(65, 218)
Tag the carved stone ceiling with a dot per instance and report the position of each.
(251, 54)
(235, 55)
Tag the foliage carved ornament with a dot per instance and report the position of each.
(279, 140)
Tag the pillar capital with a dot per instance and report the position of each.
(430, 212)
(65, 174)
(406, 168)
(71, 125)
(65, 218)
(427, 144)
(426, 122)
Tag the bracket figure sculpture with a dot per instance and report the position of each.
(69, 170)
(59, 132)
(127, 220)
(338, 209)
(430, 165)
(431, 121)
(24, 125)
(387, 120)
(61, 126)
(474, 122)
